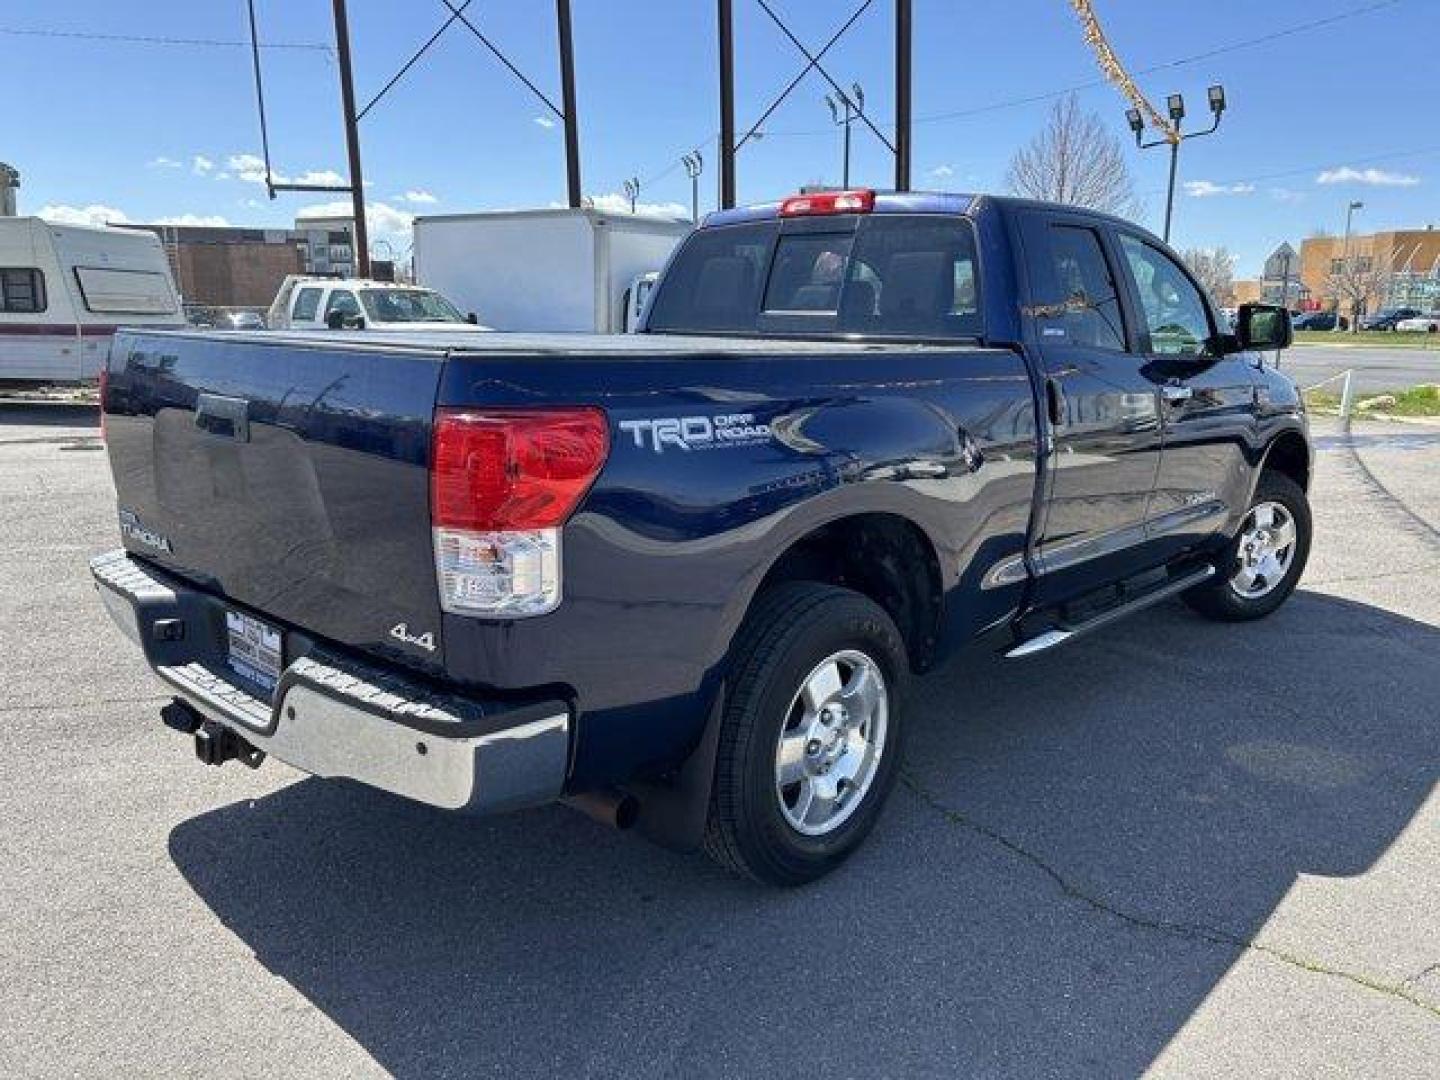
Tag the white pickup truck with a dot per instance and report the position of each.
(313, 303)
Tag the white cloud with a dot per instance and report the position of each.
(1204, 189)
(418, 197)
(200, 164)
(94, 214)
(616, 203)
(315, 176)
(545, 122)
(248, 167)
(162, 162)
(214, 221)
(251, 169)
(1374, 177)
(942, 172)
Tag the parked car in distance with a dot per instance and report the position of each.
(241, 320)
(1427, 324)
(1387, 318)
(682, 578)
(1320, 320)
(310, 303)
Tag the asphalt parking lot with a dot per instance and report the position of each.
(1174, 846)
(1376, 368)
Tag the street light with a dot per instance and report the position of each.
(694, 166)
(1175, 105)
(1345, 259)
(843, 112)
(632, 191)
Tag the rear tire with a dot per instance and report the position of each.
(1263, 563)
(811, 736)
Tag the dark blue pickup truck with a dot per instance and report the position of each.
(682, 578)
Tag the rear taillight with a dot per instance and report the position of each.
(859, 201)
(502, 483)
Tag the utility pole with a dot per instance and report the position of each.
(1345, 274)
(694, 166)
(352, 140)
(844, 113)
(567, 97)
(727, 103)
(1176, 105)
(902, 95)
(632, 191)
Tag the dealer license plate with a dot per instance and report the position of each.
(254, 649)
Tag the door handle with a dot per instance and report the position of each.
(1174, 393)
(1054, 402)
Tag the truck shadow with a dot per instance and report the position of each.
(1080, 849)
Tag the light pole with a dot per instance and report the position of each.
(1175, 104)
(694, 166)
(843, 112)
(1344, 276)
(632, 191)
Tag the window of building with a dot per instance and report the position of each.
(22, 290)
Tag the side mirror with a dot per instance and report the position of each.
(1263, 326)
(472, 318)
(335, 320)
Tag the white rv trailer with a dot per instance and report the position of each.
(65, 288)
(546, 270)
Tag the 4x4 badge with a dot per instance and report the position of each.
(401, 632)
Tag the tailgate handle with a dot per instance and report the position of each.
(228, 417)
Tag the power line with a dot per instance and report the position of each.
(143, 39)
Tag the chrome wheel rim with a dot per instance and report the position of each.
(1266, 551)
(831, 743)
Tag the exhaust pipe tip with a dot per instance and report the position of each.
(616, 809)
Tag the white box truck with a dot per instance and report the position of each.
(546, 270)
(65, 288)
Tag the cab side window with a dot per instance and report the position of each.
(343, 301)
(306, 303)
(1174, 310)
(1077, 302)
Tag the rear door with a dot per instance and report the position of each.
(1208, 403)
(290, 476)
(1104, 409)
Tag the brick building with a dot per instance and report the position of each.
(1407, 262)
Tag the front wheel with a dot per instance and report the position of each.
(810, 739)
(1263, 564)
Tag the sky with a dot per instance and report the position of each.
(1330, 101)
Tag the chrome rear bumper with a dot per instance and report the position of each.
(336, 716)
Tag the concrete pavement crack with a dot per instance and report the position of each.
(1187, 931)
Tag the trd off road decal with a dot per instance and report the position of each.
(696, 432)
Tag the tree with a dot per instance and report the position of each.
(1075, 159)
(1353, 280)
(1215, 269)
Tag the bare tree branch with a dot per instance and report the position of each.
(1076, 160)
(1215, 269)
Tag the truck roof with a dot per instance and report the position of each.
(906, 202)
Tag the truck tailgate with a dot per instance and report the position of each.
(287, 475)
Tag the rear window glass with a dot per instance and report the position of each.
(307, 302)
(125, 292)
(890, 276)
